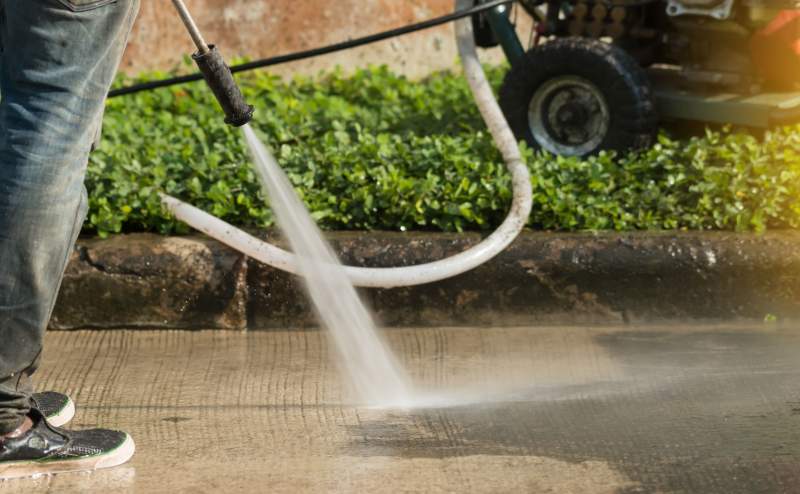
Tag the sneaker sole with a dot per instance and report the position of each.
(63, 416)
(34, 468)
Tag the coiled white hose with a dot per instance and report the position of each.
(422, 273)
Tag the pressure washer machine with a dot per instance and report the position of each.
(602, 74)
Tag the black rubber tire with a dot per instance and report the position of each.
(622, 82)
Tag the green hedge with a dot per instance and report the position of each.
(375, 150)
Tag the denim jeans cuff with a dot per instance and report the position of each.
(15, 400)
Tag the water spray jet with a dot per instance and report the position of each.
(375, 375)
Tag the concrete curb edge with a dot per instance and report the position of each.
(150, 281)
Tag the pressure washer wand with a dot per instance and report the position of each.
(217, 74)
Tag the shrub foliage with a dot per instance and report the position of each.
(375, 150)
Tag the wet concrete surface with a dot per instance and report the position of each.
(706, 409)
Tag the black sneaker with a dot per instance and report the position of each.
(57, 408)
(46, 450)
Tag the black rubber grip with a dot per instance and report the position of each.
(219, 78)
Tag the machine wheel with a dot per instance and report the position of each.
(577, 96)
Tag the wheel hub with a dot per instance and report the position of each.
(572, 114)
(568, 115)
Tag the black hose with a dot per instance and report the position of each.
(314, 52)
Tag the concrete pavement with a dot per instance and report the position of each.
(701, 409)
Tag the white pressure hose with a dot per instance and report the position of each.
(422, 273)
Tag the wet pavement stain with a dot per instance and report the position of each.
(175, 420)
(695, 412)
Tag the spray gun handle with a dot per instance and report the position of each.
(219, 78)
(217, 74)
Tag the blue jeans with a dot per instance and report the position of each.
(58, 60)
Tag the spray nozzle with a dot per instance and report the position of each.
(217, 74)
(219, 78)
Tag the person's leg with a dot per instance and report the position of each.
(58, 61)
(14, 396)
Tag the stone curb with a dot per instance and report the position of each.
(151, 281)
